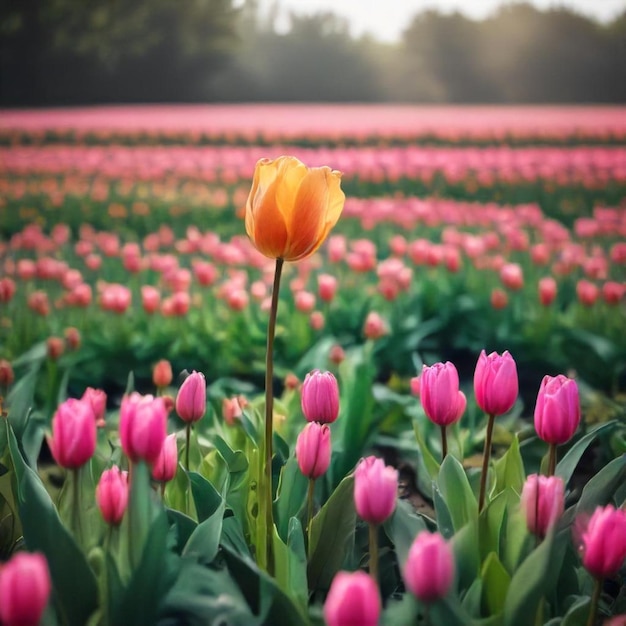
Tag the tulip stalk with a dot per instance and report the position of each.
(188, 441)
(595, 598)
(552, 459)
(373, 537)
(77, 527)
(444, 443)
(309, 514)
(485, 469)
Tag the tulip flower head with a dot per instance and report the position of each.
(112, 495)
(73, 440)
(143, 427)
(24, 589)
(162, 373)
(495, 382)
(353, 599)
(604, 542)
(439, 392)
(320, 397)
(191, 398)
(557, 412)
(429, 568)
(543, 502)
(375, 490)
(98, 400)
(292, 208)
(313, 450)
(166, 464)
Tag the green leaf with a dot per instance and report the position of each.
(509, 470)
(472, 600)
(206, 498)
(442, 514)
(233, 537)
(204, 541)
(402, 528)
(566, 466)
(601, 487)
(332, 535)
(491, 521)
(466, 554)
(292, 490)
(20, 400)
(456, 492)
(75, 586)
(578, 613)
(449, 611)
(404, 611)
(184, 526)
(496, 582)
(141, 511)
(431, 464)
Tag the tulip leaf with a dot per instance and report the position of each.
(496, 581)
(456, 492)
(442, 514)
(20, 400)
(292, 489)
(75, 586)
(601, 487)
(332, 535)
(141, 511)
(492, 521)
(184, 526)
(204, 540)
(404, 611)
(402, 528)
(578, 613)
(206, 498)
(431, 464)
(448, 611)
(473, 597)
(509, 469)
(516, 539)
(233, 537)
(466, 554)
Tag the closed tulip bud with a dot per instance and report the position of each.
(429, 569)
(336, 355)
(72, 338)
(313, 450)
(73, 440)
(441, 399)
(191, 398)
(320, 397)
(495, 382)
(55, 347)
(543, 502)
(375, 490)
(292, 208)
(415, 386)
(112, 495)
(604, 542)
(162, 373)
(499, 299)
(166, 464)
(6, 373)
(326, 287)
(97, 399)
(557, 412)
(24, 589)
(143, 427)
(353, 600)
(618, 620)
(374, 327)
(511, 276)
(232, 409)
(547, 290)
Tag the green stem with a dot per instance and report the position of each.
(552, 459)
(597, 590)
(373, 535)
(444, 443)
(77, 528)
(188, 440)
(269, 413)
(485, 470)
(309, 514)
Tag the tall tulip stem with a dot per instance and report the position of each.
(444, 443)
(373, 536)
(188, 442)
(485, 470)
(309, 513)
(269, 413)
(552, 459)
(77, 527)
(597, 590)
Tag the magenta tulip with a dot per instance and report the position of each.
(557, 412)
(495, 382)
(24, 589)
(429, 569)
(191, 398)
(604, 542)
(112, 495)
(543, 502)
(320, 397)
(313, 450)
(143, 427)
(441, 399)
(98, 400)
(353, 600)
(73, 440)
(375, 490)
(166, 464)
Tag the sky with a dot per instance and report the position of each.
(386, 19)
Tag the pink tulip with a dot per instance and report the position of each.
(374, 327)
(557, 412)
(112, 495)
(353, 600)
(7, 289)
(166, 464)
(511, 276)
(304, 301)
(162, 373)
(320, 397)
(326, 287)
(375, 490)
(543, 502)
(191, 398)
(24, 589)
(73, 440)
(313, 450)
(143, 426)
(150, 298)
(495, 382)
(441, 399)
(98, 400)
(587, 292)
(604, 542)
(232, 409)
(429, 569)
(7, 376)
(499, 299)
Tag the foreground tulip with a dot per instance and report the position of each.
(429, 569)
(73, 440)
(166, 464)
(143, 424)
(543, 502)
(353, 600)
(495, 382)
(191, 398)
(313, 450)
(24, 589)
(112, 495)
(320, 397)
(292, 208)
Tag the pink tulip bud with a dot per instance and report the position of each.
(320, 397)
(374, 327)
(73, 440)
(618, 620)
(441, 399)
(313, 449)
(499, 299)
(98, 400)
(511, 276)
(353, 600)
(415, 386)
(162, 373)
(326, 287)
(495, 382)
(112, 495)
(232, 409)
(547, 290)
(375, 490)
(150, 298)
(429, 569)
(143, 427)
(557, 412)
(24, 589)
(7, 375)
(604, 542)
(166, 464)
(543, 502)
(304, 301)
(336, 354)
(191, 398)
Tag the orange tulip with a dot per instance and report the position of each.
(291, 207)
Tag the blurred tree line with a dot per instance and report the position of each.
(56, 52)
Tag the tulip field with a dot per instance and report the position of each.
(381, 380)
